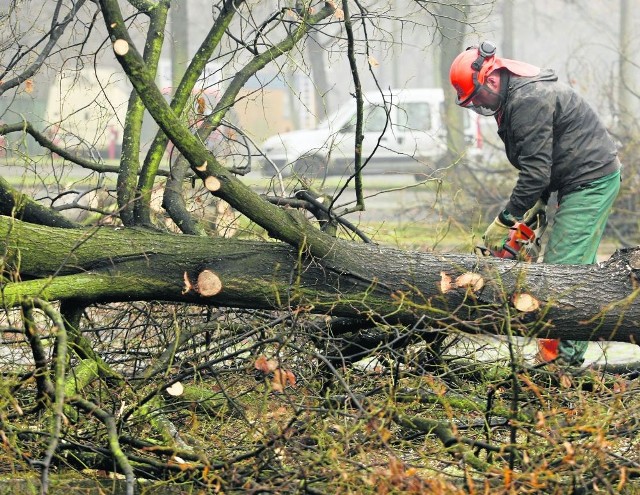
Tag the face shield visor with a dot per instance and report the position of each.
(483, 101)
(484, 111)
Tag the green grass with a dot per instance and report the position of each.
(441, 237)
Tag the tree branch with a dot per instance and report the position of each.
(57, 28)
(47, 143)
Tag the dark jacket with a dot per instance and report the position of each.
(553, 137)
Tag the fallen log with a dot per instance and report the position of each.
(364, 281)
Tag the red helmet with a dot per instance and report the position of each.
(470, 69)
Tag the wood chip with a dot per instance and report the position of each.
(176, 389)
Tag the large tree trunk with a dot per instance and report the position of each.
(453, 25)
(107, 264)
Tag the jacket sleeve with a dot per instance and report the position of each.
(531, 126)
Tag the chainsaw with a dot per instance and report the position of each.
(523, 242)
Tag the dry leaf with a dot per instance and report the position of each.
(201, 105)
(623, 478)
(570, 457)
(180, 463)
(541, 423)
(507, 477)
(339, 14)
(290, 378)
(619, 386)
(28, 85)
(396, 467)
(266, 365)
(384, 434)
(282, 378)
(176, 389)
(373, 62)
(276, 384)
(261, 364)
(565, 381)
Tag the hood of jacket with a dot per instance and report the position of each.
(517, 82)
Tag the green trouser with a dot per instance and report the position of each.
(577, 230)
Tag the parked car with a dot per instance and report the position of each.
(405, 129)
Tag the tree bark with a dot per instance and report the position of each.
(452, 19)
(450, 291)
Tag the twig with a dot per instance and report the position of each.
(112, 433)
(59, 367)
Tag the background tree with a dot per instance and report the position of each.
(453, 20)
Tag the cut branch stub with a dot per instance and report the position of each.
(212, 183)
(209, 284)
(525, 302)
(445, 283)
(121, 47)
(470, 281)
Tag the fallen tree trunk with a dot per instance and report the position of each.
(471, 294)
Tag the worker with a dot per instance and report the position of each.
(558, 144)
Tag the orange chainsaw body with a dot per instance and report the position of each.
(519, 236)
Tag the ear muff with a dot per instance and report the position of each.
(486, 50)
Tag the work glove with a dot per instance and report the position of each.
(539, 209)
(497, 232)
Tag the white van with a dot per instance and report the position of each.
(411, 141)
